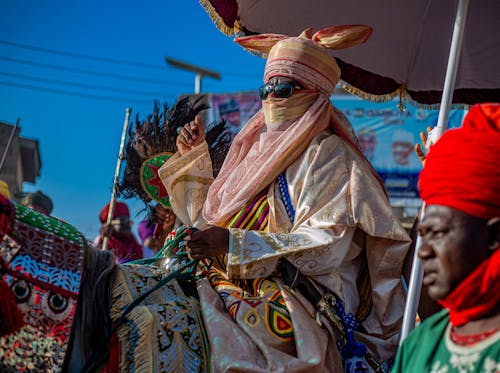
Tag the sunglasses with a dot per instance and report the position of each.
(281, 90)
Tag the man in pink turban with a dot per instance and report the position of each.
(460, 250)
(293, 186)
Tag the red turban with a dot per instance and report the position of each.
(121, 209)
(462, 169)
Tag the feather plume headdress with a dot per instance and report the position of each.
(152, 141)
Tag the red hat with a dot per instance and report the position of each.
(121, 209)
(462, 170)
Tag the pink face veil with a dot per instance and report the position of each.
(279, 133)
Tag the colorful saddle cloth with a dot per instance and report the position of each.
(165, 332)
(256, 305)
(42, 263)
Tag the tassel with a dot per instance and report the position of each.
(11, 317)
(356, 364)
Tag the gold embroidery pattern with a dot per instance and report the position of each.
(166, 332)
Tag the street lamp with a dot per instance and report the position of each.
(199, 71)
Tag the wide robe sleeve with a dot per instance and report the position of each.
(187, 180)
(341, 215)
(333, 194)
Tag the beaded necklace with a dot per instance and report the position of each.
(285, 196)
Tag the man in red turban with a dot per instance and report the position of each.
(460, 250)
(121, 240)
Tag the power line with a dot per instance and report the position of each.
(54, 67)
(84, 95)
(92, 72)
(107, 59)
(84, 56)
(82, 85)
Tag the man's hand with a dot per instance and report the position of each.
(190, 135)
(418, 148)
(210, 242)
(106, 230)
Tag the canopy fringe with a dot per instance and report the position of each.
(217, 19)
(368, 96)
(401, 93)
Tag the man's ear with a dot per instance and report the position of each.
(493, 226)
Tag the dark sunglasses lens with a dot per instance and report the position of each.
(284, 90)
(263, 92)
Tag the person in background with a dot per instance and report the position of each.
(154, 230)
(165, 222)
(121, 239)
(145, 231)
(38, 201)
(460, 251)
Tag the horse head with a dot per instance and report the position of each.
(42, 265)
(61, 297)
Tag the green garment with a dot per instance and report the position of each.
(429, 349)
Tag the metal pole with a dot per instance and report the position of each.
(414, 288)
(451, 69)
(415, 285)
(9, 141)
(200, 72)
(117, 176)
(197, 83)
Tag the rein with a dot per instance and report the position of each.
(185, 271)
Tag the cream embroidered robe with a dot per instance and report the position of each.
(336, 199)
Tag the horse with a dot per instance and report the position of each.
(66, 306)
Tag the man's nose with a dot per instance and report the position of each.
(425, 251)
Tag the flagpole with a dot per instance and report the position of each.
(117, 176)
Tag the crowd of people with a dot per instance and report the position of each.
(299, 254)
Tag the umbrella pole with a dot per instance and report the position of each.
(111, 211)
(415, 284)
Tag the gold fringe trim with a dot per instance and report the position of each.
(404, 98)
(368, 96)
(121, 296)
(238, 28)
(217, 19)
(142, 319)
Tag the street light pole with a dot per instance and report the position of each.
(199, 71)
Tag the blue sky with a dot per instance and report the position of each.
(75, 106)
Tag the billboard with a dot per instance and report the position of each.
(235, 108)
(388, 136)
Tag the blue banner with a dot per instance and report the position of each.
(388, 137)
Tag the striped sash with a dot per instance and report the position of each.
(255, 304)
(254, 216)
